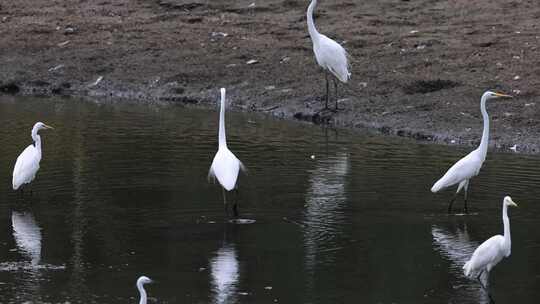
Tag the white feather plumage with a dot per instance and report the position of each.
(225, 166)
(330, 55)
(27, 164)
(493, 250)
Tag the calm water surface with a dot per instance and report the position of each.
(122, 191)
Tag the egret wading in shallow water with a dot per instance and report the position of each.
(140, 286)
(492, 251)
(27, 164)
(469, 166)
(331, 56)
(225, 166)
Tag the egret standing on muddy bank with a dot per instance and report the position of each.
(470, 165)
(331, 56)
(225, 166)
(27, 164)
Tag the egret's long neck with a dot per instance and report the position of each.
(222, 139)
(142, 292)
(506, 223)
(311, 25)
(485, 135)
(37, 140)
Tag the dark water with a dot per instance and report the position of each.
(122, 192)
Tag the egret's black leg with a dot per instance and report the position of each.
(451, 202)
(484, 287)
(465, 210)
(465, 203)
(235, 206)
(327, 90)
(479, 279)
(336, 89)
(225, 202)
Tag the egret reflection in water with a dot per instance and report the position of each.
(109, 220)
(225, 275)
(324, 215)
(457, 248)
(27, 235)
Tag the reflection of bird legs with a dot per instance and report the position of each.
(485, 288)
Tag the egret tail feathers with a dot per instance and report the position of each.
(211, 176)
(438, 186)
(467, 269)
(243, 168)
(15, 185)
(449, 179)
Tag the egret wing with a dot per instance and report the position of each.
(464, 169)
(26, 166)
(333, 57)
(225, 168)
(488, 253)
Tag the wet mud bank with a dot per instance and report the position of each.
(418, 67)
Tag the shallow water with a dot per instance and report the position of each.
(122, 191)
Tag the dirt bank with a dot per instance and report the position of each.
(418, 67)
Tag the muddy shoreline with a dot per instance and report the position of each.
(418, 67)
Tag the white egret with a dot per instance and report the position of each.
(492, 251)
(469, 166)
(331, 56)
(225, 166)
(27, 164)
(140, 286)
(456, 246)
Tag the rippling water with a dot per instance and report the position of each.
(340, 217)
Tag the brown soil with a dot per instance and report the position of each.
(418, 67)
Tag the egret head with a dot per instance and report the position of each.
(39, 125)
(509, 202)
(143, 280)
(491, 94)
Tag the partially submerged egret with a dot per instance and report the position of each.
(492, 251)
(140, 286)
(331, 56)
(27, 164)
(469, 166)
(225, 166)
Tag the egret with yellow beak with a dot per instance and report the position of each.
(469, 166)
(492, 251)
(27, 164)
